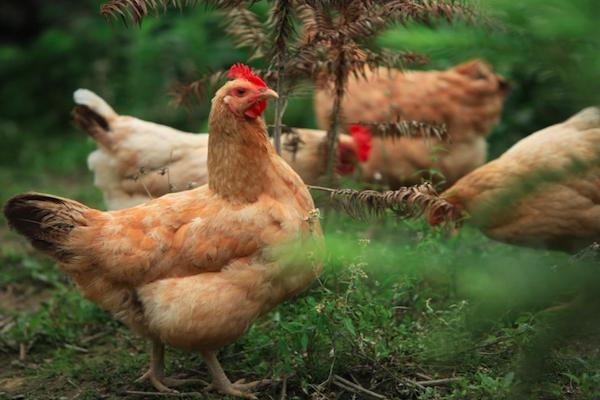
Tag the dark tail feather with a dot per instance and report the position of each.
(46, 221)
(92, 123)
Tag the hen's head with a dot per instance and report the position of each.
(246, 95)
(354, 150)
(480, 70)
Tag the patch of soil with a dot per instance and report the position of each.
(18, 297)
(12, 385)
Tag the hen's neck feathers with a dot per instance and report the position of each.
(239, 155)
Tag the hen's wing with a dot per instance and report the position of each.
(176, 235)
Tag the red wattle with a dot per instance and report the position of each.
(256, 109)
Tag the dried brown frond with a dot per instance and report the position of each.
(281, 22)
(247, 31)
(449, 10)
(307, 18)
(185, 94)
(411, 129)
(407, 203)
(136, 10)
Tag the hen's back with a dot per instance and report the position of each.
(149, 161)
(467, 98)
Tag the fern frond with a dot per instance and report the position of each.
(136, 10)
(280, 20)
(411, 129)
(184, 94)
(407, 203)
(246, 30)
(426, 11)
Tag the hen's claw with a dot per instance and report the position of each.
(238, 388)
(156, 373)
(163, 384)
(156, 381)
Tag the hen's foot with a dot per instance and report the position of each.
(163, 384)
(156, 381)
(238, 388)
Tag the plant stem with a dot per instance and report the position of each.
(335, 122)
(280, 106)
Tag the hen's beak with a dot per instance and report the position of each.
(267, 94)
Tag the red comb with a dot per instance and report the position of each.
(363, 139)
(241, 71)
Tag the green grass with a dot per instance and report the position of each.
(396, 304)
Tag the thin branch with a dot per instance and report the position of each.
(345, 384)
(281, 22)
(165, 394)
(438, 382)
(341, 73)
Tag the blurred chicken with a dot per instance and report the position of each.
(138, 160)
(306, 152)
(543, 192)
(193, 269)
(468, 99)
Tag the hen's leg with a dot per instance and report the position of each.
(156, 373)
(222, 384)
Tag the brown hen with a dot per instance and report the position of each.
(543, 192)
(468, 99)
(193, 269)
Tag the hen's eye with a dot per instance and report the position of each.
(240, 92)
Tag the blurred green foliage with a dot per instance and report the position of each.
(548, 48)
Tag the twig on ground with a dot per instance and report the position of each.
(158, 394)
(76, 348)
(284, 379)
(353, 387)
(438, 382)
(424, 376)
(94, 337)
(70, 382)
(7, 326)
(22, 351)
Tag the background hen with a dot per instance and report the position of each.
(137, 160)
(543, 192)
(468, 99)
(192, 269)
